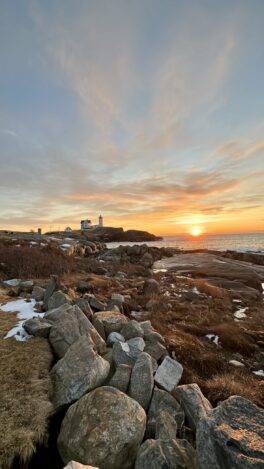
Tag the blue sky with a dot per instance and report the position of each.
(149, 112)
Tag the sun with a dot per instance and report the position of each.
(196, 231)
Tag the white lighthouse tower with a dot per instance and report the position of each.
(100, 221)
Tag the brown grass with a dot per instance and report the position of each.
(238, 383)
(35, 262)
(25, 407)
(204, 287)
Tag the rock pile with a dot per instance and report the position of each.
(123, 402)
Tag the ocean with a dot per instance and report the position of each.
(246, 242)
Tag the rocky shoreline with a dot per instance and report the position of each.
(122, 381)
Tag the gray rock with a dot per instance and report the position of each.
(80, 370)
(168, 374)
(99, 326)
(113, 304)
(77, 465)
(68, 324)
(137, 342)
(155, 350)
(231, 436)
(113, 321)
(166, 454)
(38, 293)
(163, 401)
(96, 304)
(146, 260)
(118, 297)
(57, 299)
(151, 287)
(114, 337)
(166, 426)
(104, 428)
(84, 305)
(154, 337)
(120, 380)
(132, 329)
(193, 402)
(146, 326)
(52, 286)
(142, 382)
(123, 354)
(37, 327)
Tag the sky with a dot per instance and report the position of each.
(150, 112)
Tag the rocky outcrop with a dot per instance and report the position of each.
(231, 436)
(80, 370)
(157, 454)
(193, 402)
(104, 428)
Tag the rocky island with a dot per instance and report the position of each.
(133, 357)
(110, 234)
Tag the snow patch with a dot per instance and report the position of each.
(156, 271)
(195, 290)
(259, 373)
(213, 338)
(25, 310)
(240, 313)
(236, 363)
(237, 301)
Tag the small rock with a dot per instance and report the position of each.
(151, 287)
(104, 428)
(84, 305)
(163, 401)
(137, 342)
(120, 380)
(142, 382)
(193, 402)
(167, 454)
(132, 329)
(118, 297)
(113, 321)
(58, 299)
(166, 426)
(38, 293)
(168, 374)
(52, 286)
(155, 350)
(37, 327)
(236, 363)
(124, 354)
(96, 304)
(154, 337)
(114, 337)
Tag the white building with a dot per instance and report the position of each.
(87, 224)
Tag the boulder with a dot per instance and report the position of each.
(121, 378)
(77, 465)
(38, 293)
(84, 305)
(168, 374)
(113, 321)
(57, 299)
(166, 426)
(96, 304)
(37, 327)
(231, 436)
(68, 324)
(99, 326)
(104, 428)
(155, 350)
(153, 337)
(52, 286)
(146, 260)
(166, 454)
(123, 354)
(80, 370)
(137, 342)
(142, 382)
(163, 401)
(151, 287)
(114, 337)
(132, 329)
(193, 402)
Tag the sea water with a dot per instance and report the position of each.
(246, 242)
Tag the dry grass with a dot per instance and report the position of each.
(204, 287)
(238, 383)
(25, 407)
(35, 262)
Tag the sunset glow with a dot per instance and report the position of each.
(148, 113)
(195, 231)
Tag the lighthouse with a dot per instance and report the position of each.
(100, 221)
